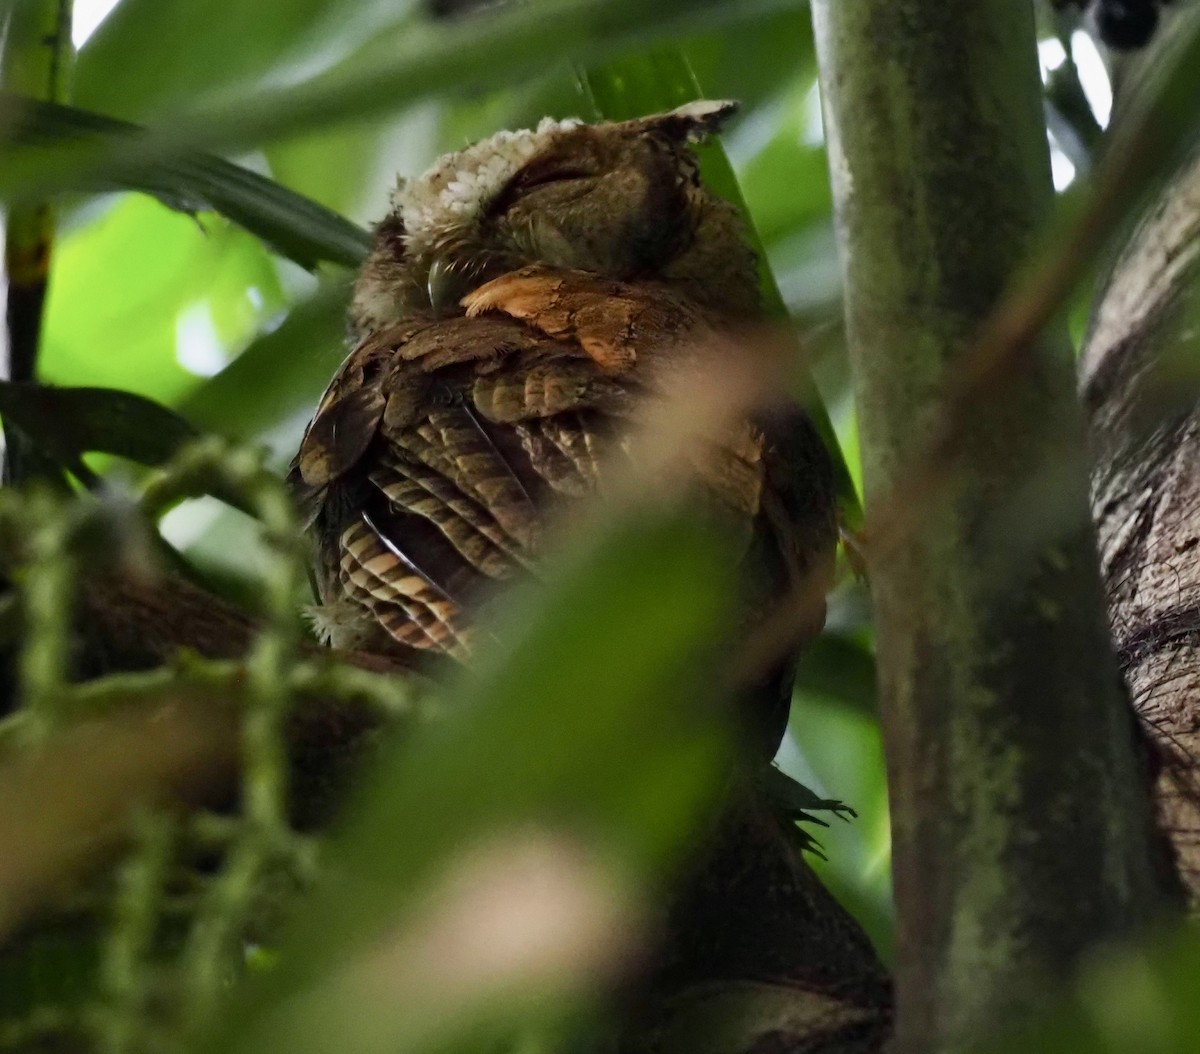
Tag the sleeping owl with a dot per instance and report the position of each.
(524, 302)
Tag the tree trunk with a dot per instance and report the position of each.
(1139, 380)
(992, 645)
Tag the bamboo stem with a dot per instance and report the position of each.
(1012, 856)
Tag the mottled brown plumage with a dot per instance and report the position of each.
(523, 302)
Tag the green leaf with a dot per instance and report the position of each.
(588, 717)
(751, 64)
(65, 423)
(661, 80)
(128, 282)
(786, 182)
(835, 746)
(148, 54)
(351, 168)
(293, 225)
(280, 375)
(486, 51)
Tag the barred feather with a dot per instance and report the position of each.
(442, 445)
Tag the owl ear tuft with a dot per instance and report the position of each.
(693, 122)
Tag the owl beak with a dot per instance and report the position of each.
(445, 286)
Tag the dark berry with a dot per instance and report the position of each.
(1126, 24)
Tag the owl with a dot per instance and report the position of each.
(524, 302)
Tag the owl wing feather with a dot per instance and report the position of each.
(431, 461)
(443, 445)
(771, 470)
(619, 325)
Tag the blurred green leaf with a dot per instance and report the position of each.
(659, 80)
(751, 64)
(786, 180)
(843, 669)
(587, 717)
(1134, 998)
(345, 168)
(66, 423)
(294, 226)
(835, 746)
(147, 54)
(488, 50)
(280, 375)
(129, 284)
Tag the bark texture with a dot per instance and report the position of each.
(993, 648)
(1139, 380)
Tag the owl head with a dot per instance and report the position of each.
(622, 200)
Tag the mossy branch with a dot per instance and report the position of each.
(208, 731)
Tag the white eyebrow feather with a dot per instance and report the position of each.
(460, 185)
